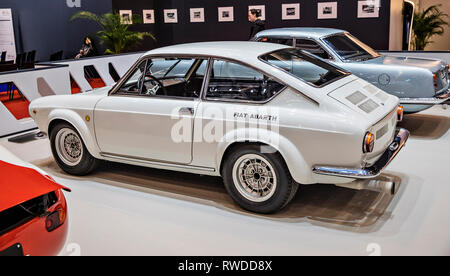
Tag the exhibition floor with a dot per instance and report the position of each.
(127, 210)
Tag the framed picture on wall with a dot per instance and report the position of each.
(149, 16)
(171, 16)
(197, 15)
(369, 9)
(327, 10)
(261, 11)
(226, 14)
(290, 11)
(126, 16)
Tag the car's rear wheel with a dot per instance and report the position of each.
(70, 151)
(257, 181)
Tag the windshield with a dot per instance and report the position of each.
(350, 48)
(304, 66)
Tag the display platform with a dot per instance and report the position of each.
(128, 210)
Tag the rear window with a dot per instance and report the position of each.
(22, 213)
(304, 66)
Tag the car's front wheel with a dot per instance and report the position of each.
(259, 182)
(70, 152)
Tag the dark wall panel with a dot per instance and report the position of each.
(43, 25)
(373, 31)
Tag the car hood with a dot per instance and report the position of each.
(20, 182)
(433, 65)
(97, 92)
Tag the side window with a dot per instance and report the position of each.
(232, 81)
(134, 82)
(284, 41)
(174, 77)
(167, 68)
(201, 71)
(311, 47)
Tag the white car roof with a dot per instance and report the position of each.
(237, 50)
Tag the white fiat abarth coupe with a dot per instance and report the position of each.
(265, 117)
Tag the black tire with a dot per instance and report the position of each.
(285, 189)
(87, 162)
(295, 187)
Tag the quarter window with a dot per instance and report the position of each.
(232, 81)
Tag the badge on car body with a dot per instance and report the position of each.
(384, 79)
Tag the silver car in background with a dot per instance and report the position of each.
(419, 83)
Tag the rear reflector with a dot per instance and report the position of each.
(55, 220)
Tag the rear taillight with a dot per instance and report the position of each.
(369, 142)
(400, 112)
(435, 81)
(55, 220)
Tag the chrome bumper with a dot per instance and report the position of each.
(439, 99)
(370, 172)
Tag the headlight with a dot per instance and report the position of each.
(369, 142)
(400, 112)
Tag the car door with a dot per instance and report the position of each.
(151, 115)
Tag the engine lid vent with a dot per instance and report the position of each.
(369, 106)
(356, 98)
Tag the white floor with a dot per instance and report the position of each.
(122, 210)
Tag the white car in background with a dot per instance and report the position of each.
(265, 117)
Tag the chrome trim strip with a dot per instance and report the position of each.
(156, 163)
(439, 99)
(374, 171)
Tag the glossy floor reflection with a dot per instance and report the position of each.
(426, 126)
(128, 210)
(326, 204)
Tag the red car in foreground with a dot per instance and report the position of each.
(33, 210)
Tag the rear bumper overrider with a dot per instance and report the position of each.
(373, 171)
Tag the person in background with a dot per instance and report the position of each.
(87, 49)
(257, 24)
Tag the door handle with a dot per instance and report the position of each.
(186, 111)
